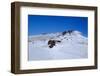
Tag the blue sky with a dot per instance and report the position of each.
(38, 24)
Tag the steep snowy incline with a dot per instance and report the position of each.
(65, 45)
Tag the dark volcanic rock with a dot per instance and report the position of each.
(52, 43)
(63, 33)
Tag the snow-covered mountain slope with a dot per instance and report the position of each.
(62, 45)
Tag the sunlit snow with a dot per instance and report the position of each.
(72, 46)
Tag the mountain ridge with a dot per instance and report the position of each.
(57, 36)
(61, 45)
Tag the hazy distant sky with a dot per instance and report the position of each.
(38, 24)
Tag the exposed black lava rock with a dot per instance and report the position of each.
(52, 43)
(58, 41)
(69, 31)
(63, 33)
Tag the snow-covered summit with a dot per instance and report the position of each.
(66, 35)
(61, 45)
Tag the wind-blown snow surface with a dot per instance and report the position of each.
(73, 45)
